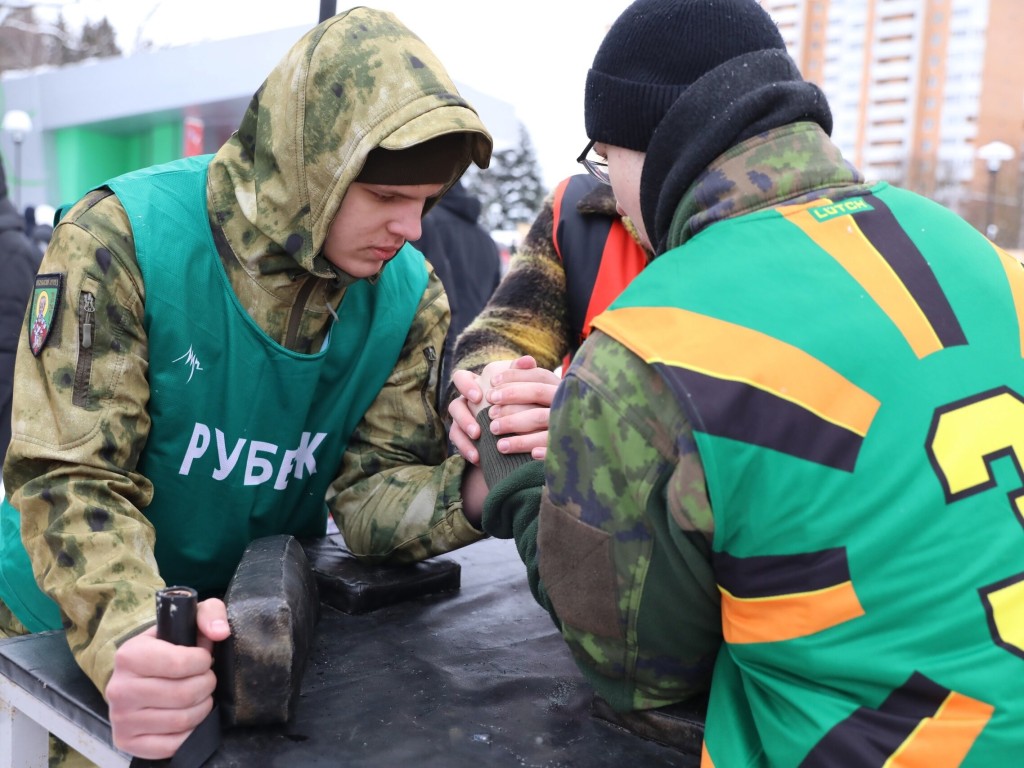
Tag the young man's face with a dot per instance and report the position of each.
(373, 223)
(624, 169)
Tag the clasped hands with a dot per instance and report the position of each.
(519, 395)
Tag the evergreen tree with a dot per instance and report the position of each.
(510, 190)
(97, 40)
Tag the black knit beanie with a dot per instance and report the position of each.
(655, 50)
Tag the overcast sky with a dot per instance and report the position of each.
(533, 54)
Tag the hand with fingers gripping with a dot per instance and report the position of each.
(519, 395)
(159, 692)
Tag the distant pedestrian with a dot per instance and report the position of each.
(42, 226)
(19, 259)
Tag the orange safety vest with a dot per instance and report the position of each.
(599, 256)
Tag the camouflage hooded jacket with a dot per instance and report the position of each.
(355, 82)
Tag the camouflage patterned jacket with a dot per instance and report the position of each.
(528, 313)
(272, 193)
(635, 596)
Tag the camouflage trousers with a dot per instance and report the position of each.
(61, 755)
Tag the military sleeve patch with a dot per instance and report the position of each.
(45, 303)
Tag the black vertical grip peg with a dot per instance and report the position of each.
(176, 623)
(176, 615)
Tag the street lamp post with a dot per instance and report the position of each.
(995, 153)
(18, 125)
(328, 8)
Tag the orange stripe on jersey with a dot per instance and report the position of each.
(843, 240)
(943, 740)
(728, 351)
(1015, 277)
(920, 724)
(773, 619)
(705, 757)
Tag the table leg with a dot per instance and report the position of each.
(23, 742)
(25, 724)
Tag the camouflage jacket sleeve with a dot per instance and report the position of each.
(526, 315)
(625, 533)
(398, 496)
(80, 423)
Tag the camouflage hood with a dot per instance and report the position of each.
(357, 81)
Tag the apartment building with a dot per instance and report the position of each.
(918, 88)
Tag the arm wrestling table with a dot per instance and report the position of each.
(477, 676)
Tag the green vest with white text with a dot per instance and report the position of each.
(246, 435)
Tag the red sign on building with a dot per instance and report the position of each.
(193, 136)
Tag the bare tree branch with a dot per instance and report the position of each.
(40, 28)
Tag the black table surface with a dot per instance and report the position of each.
(475, 677)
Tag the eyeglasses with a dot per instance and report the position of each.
(596, 165)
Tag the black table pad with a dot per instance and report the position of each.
(468, 678)
(350, 586)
